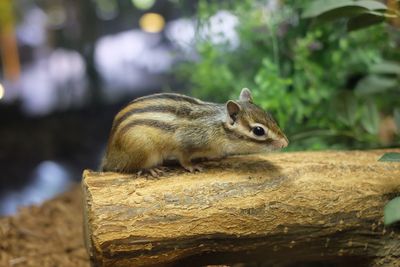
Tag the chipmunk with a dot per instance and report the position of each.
(154, 128)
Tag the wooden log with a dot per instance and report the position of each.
(278, 208)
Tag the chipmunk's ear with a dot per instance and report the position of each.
(245, 95)
(233, 109)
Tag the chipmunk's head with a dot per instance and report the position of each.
(256, 130)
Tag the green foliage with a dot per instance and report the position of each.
(327, 87)
(341, 8)
(396, 115)
(392, 211)
(360, 14)
(390, 157)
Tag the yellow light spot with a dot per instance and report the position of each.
(340, 252)
(1, 91)
(152, 22)
(350, 243)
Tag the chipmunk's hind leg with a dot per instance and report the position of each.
(153, 166)
(154, 172)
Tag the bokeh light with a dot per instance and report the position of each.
(106, 9)
(1, 91)
(182, 32)
(49, 179)
(56, 16)
(152, 22)
(143, 4)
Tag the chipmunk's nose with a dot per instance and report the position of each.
(284, 142)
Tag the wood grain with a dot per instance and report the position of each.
(275, 208)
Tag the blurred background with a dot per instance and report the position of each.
(328, 71)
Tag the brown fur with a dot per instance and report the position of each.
(158, 127)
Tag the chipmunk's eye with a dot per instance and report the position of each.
(259, 131)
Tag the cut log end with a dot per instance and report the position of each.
(274, 209)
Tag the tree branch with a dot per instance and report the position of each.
(276, 208)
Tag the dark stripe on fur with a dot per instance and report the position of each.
(176, 97)
(178, 111)
(151, 123)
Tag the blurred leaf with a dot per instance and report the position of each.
(370, 118)
(346, 107)
(386, 67)
(331, 9)
(392, 211)
(374, 84)
(371, 5)
(396, 115)
(363, 21)
(390, 157)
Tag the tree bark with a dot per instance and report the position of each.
(272, 209)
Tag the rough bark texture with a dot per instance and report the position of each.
(277, 209)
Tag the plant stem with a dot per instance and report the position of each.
(274, 39)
